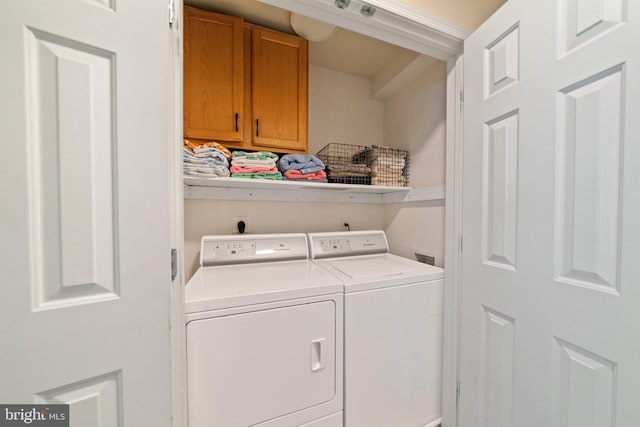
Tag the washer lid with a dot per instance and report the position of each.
(380, 266)
(238, 285)
(381, 270)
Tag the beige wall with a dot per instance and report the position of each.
(341, 110)
(468, 14)
(206, 217)
(415, 119)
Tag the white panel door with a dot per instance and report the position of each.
(550, 297)
(85, 209)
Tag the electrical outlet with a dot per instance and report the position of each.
(345, 220)
(236, 220)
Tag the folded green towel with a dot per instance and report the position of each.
(259, 175)
(257, 155)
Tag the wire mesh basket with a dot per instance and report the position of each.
(389, 166)
(342, 165)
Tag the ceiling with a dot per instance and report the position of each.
(346, 51)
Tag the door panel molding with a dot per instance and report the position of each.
(589, 171)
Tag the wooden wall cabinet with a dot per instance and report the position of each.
(279, 90)
(213, 76)
(244, 85)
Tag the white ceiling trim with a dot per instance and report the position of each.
(421, 17)
(393, 22)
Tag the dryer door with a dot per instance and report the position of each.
(248, 368)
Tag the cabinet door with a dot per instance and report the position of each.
(279, 91)
(213, 76)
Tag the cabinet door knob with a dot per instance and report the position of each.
(237, 115)
(257, 127)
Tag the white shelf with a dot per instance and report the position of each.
(295, 191)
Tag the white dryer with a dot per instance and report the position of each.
(393, 330)
(264, 335)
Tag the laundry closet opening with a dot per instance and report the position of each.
(361, 91)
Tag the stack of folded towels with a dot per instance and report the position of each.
(205, 160)
(259, 164)
(302, 167)
(387, 165)
(387, 170)
(353, 173)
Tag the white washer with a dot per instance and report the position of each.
(393, 330)
(264, 330)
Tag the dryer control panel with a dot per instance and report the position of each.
(251, 248)
(347, 243)
(234, 249)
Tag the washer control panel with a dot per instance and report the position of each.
(251, 248)
(335, 245)
(347, 243)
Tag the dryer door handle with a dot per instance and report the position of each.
(317, 363)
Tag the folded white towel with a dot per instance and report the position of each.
(395, 163)
(212, 153)
(197, 170)
(387, 181)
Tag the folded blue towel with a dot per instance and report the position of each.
(305, 163)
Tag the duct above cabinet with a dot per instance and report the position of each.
(244, 85)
